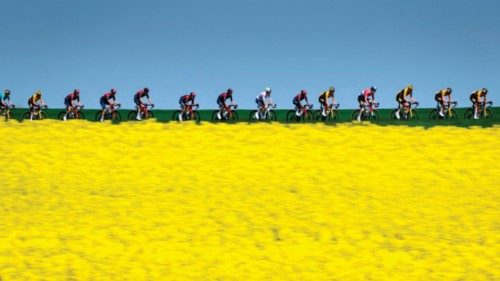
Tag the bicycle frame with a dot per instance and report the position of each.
(145, 108)
(188, 109)
(264, 111)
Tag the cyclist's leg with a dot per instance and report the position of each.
(103, 107)
(298, 107)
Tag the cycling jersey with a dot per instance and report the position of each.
(72, 97)
(33, 100)
(478, 94)
(443, 93)
(300, 97)
(139, 95)
(403, 93)
(4, 97)
(225, 96)
(326, 95)
(185, 99)
(105, 99)
(368, 93)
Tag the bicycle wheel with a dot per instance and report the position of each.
(150, 115)
(252, 116)
(392, 115)
(374, 116)
(487, 114)
(98, 115)
(452, 114)
(215, 118)
(26, 116)
(79, 115)
(234, 116)
(318, 117)
(413, 115)
(116, 116)
(355, 114)
(469, 113)
(175, 116)
(195, 116)
(132, 115)
(433, 114)
(292, 117)
(10, 115)
(42, 115)
(271, 116)
(61, 114)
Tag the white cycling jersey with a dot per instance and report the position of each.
(263, 96)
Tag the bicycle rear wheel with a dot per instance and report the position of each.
(25, 116)
(252, 117)
(355, 114)
(433, 114)
(10, 115)
(392, 115)
(61, 114)
(469, 113)
(98, 115)
(292, 117)
(215, 118)
(132, 115)
(175, 115)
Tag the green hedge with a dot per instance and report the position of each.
(345, 116)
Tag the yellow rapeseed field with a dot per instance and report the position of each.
(167, 201)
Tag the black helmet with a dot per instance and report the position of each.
(229, 91)
(449, 89)
(76, 92)
(7, 92)
(113, 91)
(146, 90)
(485, 90)
(373, 88)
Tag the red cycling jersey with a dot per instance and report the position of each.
(224, 96)
(72, 97)
(368, 93)
(141, 93)
(187, 98)
(300, 97)
(108, 96)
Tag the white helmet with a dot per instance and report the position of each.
(268, 90)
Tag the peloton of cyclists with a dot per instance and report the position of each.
(365, 100)
(323, 100)
(221, 101)
(297, 102)
(185, 101)
(404, 98)
(440, 97)
(107, 101)
(478, 97)
(69, 102)
(139, 104)
(35, 102)
(263, 100)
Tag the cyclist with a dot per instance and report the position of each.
(138, 100)
(366, 98)
(35, 102)
(402, 98)
(5, 100)
(439, 98)
(107, 100)
(263, 100)
(475, 98)
(221, 101)
(184, 101)
(323, 99)
(297, 102)
(69, 102)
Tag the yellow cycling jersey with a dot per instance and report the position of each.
(326, 95)
(444, 93)
(479, 93)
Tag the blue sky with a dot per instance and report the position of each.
(174, 47)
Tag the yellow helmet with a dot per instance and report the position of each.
(332, 89)
(38, 93)
(410, 86)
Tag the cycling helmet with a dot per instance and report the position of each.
(113, 91)
(146, 90)
(449, 89)
(410, 86)
(7, 92)
(229, 91)
(373, 88)
(38, 93)
(303, 92)
(268, 90)
(193, 94)
(485, 90)
(332, 89)
(76, 92)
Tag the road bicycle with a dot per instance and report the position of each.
(74, 113)
(449, 112)
(483, 112)
(145, 111)
(229, 115)
(189, 113)
(263, 114)
(7, 112)
(38, 113)
(370, 114)
(110, 114)
(332, 114)
(305, 114)
(408, 112)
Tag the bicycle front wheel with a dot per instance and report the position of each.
(413, 115)
(487, 114)
(271, 116)
(452, 114)
(292, 117)
(132, 115)
(42, 115)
